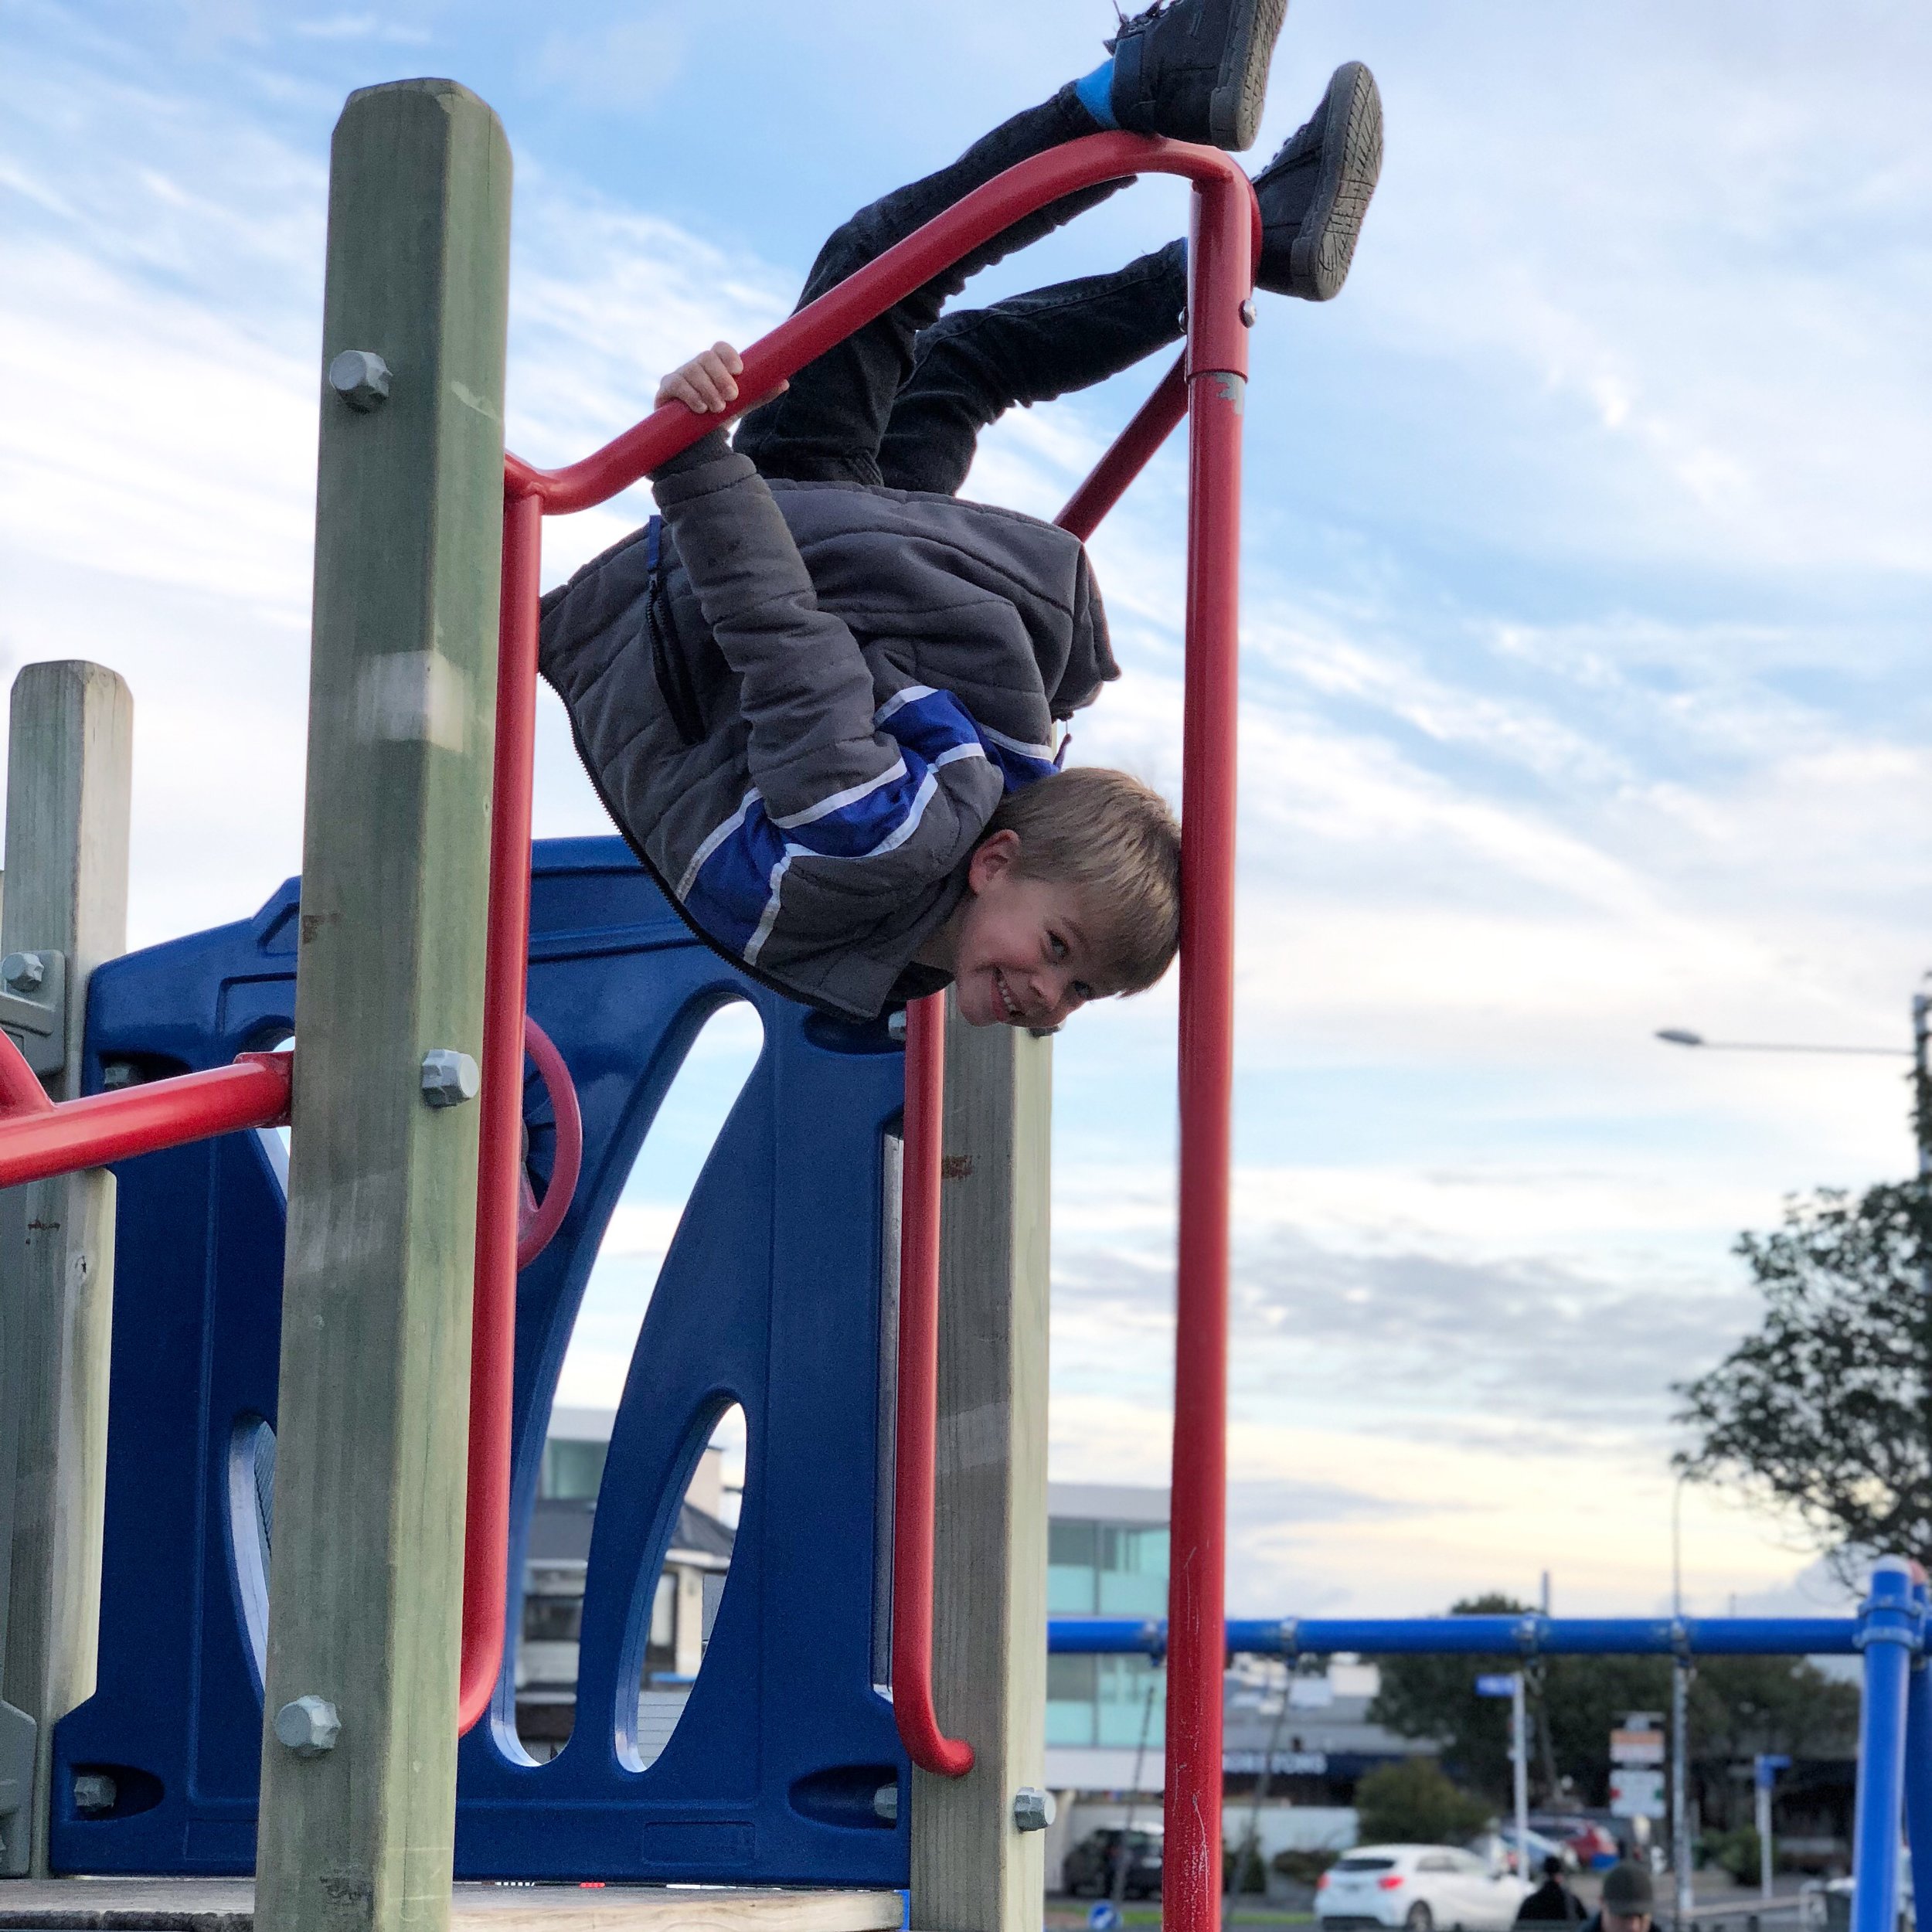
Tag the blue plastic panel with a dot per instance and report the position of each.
(769, 1297)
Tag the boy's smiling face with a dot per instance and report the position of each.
(1022, 949)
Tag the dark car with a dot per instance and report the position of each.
(1091, 1865)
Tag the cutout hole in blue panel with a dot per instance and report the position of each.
(251, 1522)
(604, 1338)
(683, 1603)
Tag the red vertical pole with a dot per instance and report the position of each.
(915, 1481)
(1219, 279)
(499, 1159)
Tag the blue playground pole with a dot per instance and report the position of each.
(1890, 1632)
(1527, 1635)
(1918, 1770)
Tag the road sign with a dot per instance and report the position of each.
(1103, 1917)
(1636, 1748)
(1769, 1764)
(1501, 1684)
(1636, 1794)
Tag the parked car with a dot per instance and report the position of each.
(1594, 1847)
(1090, 1867)
(1418, 1887)
(1499, 1848)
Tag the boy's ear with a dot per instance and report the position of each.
(993, 856)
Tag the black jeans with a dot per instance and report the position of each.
(902, 400)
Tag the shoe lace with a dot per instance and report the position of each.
(1126, 23)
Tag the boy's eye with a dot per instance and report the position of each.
(1082, 992)
(1056, 947)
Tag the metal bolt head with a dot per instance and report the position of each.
(360, 377)
(895, 1025)
(1033, 1809)
(309, 1726)
(1247, 313)
(24, 972)
(449, 1078)
(885, 1803)
(95, 1791)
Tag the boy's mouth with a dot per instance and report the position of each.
(1006, 999)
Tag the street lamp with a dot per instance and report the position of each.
(1917, 1052)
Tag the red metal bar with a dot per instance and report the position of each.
(1227, 214)
(500, 1157)
(802, 338)
(20, 1088)
(1221, 274)
(35, 1142)
(914, 1484)
(569, 1162)
(1153, 423)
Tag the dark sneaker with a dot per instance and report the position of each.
(1196, 70)
(1315, 192)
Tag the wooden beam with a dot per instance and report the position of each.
(972, 1869)
(366, 1583)
(228, 1905)
(70, 749)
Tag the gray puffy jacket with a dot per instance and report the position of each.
(802, 702)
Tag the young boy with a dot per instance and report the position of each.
(819, 694)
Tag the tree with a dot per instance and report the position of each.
(1413, 1802)
(1825, 1412)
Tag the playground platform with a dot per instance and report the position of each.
(228, 1905)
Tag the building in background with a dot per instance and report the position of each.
(683, 1605)
(1107, 1555)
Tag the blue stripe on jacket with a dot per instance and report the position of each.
(732, 885)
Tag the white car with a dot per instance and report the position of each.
(1417, 1887)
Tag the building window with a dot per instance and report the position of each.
(552, 1620)
(572, 1470)
(1072, 1551)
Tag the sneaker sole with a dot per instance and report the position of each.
(1319, 257)
(1234, 108)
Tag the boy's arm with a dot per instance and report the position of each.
(804, 688)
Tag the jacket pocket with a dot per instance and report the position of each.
(668, 663)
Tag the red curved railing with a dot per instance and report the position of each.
(915, 1475)
(1208, 387)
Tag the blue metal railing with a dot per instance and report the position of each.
(1528, 1636)
(1895, 1714)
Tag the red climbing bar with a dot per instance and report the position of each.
(915, 1479)
(1220, 277)
(486, 1544)
(38, 1140)
(803, 338)
(1227, 236)
(1134, 448)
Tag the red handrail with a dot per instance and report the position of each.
(915, 1445)
(1209, 390)
(39, 1138)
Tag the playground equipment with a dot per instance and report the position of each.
(409, 948)
(1895, 1712)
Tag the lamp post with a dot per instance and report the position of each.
(1767, 1767)
(1680, 1849)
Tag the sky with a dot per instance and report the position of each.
(1585, 575)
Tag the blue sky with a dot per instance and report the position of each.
(1586, 581)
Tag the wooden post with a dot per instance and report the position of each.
(973, 1870)
(70, 748)
(366, 1583)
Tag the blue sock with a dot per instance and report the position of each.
(1096, 91)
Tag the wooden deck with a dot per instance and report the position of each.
(228, 1905)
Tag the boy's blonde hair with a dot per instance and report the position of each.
(1114, 841)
